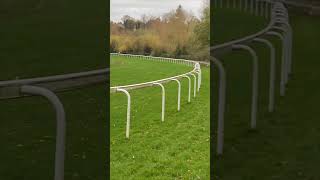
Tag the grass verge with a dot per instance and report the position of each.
(176, 148)
(285, 145)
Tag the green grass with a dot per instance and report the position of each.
(27, 131)
(286, 143)
(151, 70)
(56, 37)
(177, 148)
(233, 26)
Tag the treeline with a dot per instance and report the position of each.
(177, 34)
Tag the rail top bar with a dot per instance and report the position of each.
(152, 83)
(165, 58)
(11, 89)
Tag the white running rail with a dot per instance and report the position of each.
(195, 73)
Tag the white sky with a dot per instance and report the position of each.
(136, 8)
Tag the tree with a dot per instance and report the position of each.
(202, 30)
(128, 22)
(177, 33)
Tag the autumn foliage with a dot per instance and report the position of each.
(176, 34)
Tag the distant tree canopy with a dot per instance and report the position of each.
(177, 33)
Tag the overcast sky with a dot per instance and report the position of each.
(136, 8)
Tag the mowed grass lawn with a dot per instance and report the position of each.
(177, 148)
(28, 132)
(285, 145)
(41, 38)
(233, 25)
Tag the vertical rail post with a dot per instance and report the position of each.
(198, 69)
(254, 104)
(198, 85)
(189, 89)
(179, 92)
(272, 72)
(283, 71)
(128, 110)
(221, 105)
(163, 100)
(194, 84)
(287, 40)
(284, 21)
(61, 125)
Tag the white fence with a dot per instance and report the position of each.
(47, 87)
(195, 73)
(278, 26)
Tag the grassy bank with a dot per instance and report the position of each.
(41, 38)
(285, 145)
(176, 148)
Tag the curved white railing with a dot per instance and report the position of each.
(195, 73)
(278, 26)
(47, 87)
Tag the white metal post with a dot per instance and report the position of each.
(163, 100)
(255, 79)
(194, 84)
(61, 125)
(179, 92)
(189, 89)
(283, 71)
(128, 110)
(272, 71)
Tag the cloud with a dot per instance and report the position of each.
(136, 8)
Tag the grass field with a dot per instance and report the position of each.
(177, 148)
(233, 26)
(27, 131)
(286, 143)
(40, 38)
